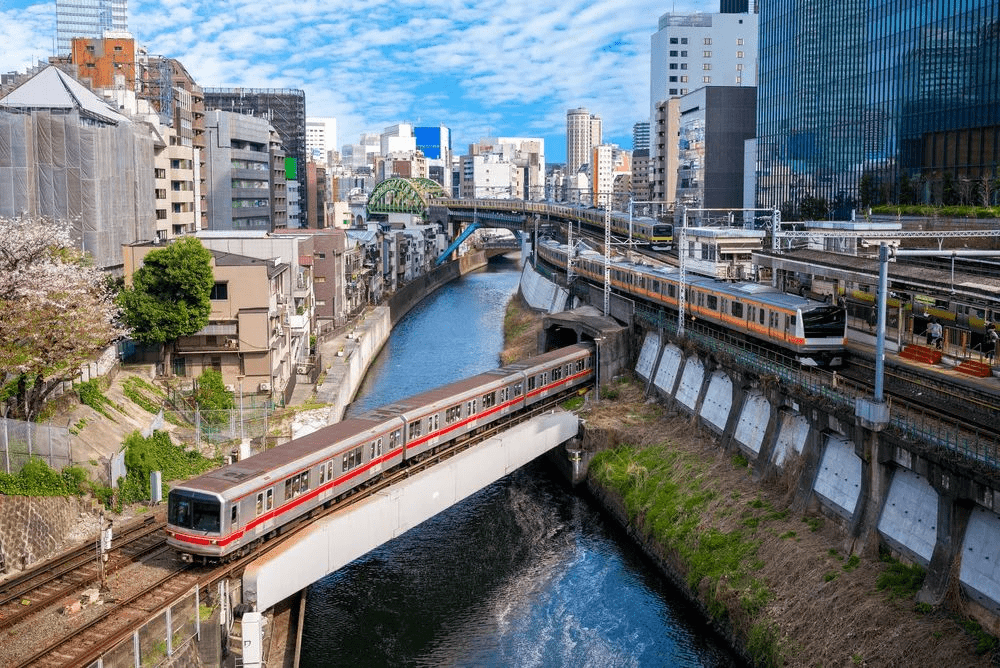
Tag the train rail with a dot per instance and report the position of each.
(76, 570)
(118, 618)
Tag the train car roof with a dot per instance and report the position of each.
(257, 466)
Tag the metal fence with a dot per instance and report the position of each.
(20, 441)
(223, 426)
(160, 639)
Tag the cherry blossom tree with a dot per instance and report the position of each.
(58, 312)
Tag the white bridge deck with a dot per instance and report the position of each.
(335, 541)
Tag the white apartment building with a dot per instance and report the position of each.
(690, 51)
(608, 163)
(584, 131)
(488, 176)
(321, 139)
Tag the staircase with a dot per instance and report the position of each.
(924, 354)
(973, 368)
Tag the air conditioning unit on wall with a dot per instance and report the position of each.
(265, 387)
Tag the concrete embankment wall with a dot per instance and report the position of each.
(540, 293)
(349, 364)
(919, 499)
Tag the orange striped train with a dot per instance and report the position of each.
(810, 331)
(228, 511)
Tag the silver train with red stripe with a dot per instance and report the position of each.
(228, 511)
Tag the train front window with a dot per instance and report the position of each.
(825, 321)
(190, 510)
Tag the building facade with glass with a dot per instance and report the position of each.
(867, 102)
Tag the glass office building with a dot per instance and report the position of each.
(865, 102)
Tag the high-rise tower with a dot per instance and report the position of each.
(583, 133)
(880, 104)
(88, 18)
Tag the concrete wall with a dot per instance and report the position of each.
(882, 491)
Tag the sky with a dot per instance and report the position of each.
(483, 68)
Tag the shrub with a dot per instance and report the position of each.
(37, 479)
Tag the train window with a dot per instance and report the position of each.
(260, 503)
(305, 481)
(762, 316)
(489, 400)
(344, 467)
(737, 309)
(545, 378)
(322, 474)
(713, 302)
(470, 407)
(270, 499)
(329, 471)
(672, 290)
(656, 285)
(517, 389)
(234, 516)
(416, 428)
(556, 373)
(288, 483)
(531, 383)
(393, 439)
(433, 423)
(791, 322)
(772, 321)
(452, 414)
(295, 485)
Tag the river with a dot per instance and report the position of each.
(523, 573)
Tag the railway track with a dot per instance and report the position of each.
(76, 570)
(118, 618)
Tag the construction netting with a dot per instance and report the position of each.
(62, 165)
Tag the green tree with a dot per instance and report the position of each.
(212, 394)
(170, 293)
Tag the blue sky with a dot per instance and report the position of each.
(484, 68)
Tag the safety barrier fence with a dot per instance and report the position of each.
(20, 441)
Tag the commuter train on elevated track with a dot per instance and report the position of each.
(228, 511)
(813, 332)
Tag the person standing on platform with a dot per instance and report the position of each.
(934, 334)
(992, 341)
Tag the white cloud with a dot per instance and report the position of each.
(500, 67)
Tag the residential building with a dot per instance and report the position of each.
(664, 153)
(694, 50)
(609, 162)
(71, 156)
(253, 337)
(105, 62)
(583, 133)
(321, 139)
(245, 169)
(525, 158)
(285, 110)
(317, 193)
(715, 123)
(640, 136)
(641, 191)
(88, 18)
(895, 104)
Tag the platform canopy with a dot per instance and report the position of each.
(405, 196)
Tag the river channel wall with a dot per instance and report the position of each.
(888, 488)
(351, 353)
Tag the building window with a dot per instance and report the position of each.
(707, 54)
(684, 66)
(673, 91)
(708, 41)
(739, 66)
(706, 79)
(673, 54)
(684, 40)
(220, 292)
(739, 79)
(673, 40)
(739, 42)
(672, 80)
(739, 54)
(673, 66)
(684, 79)
(706, 66)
